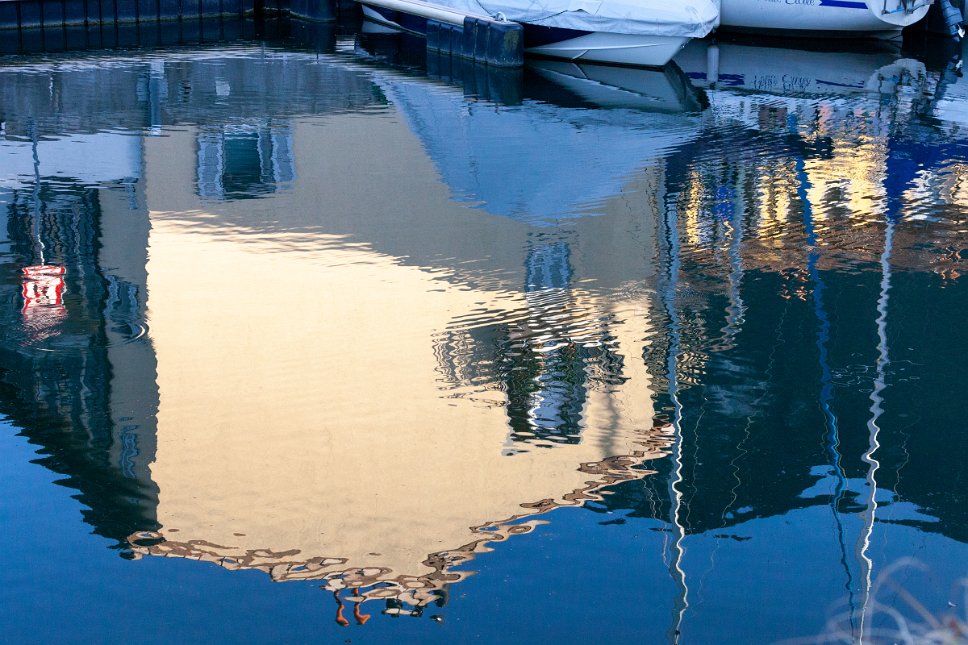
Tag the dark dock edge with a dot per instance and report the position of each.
(52, 16)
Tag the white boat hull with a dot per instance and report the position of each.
(595, 47)
(620, 49)
(847, 17)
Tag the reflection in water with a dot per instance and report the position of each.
(386, 473)
(43, 293)
(244, 161)
(562, 161)
(398, 588)
(327, 319)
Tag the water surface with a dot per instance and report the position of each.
(310, 338)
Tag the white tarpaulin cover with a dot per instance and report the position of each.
(691, 19)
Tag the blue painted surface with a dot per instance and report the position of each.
(92, 12)
(74, 13)
(191, 9)
(108, 11)
(53, 14)
(126, 10)
(210, 8)
(843, 4)
(147, 10)
(169, 9)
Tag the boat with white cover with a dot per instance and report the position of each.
(847, 18)
(630, 32)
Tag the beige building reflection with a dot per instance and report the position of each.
(312, 422)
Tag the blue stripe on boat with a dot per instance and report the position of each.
(843, 3)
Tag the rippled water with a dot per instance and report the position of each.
(313, 337)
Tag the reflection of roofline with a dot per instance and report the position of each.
(197, 107)
(372, 583)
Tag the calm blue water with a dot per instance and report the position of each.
(309, 337)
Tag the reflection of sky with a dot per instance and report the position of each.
(89, 158)
(536, 163)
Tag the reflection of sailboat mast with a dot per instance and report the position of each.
(876, 409)
(675, 494)
(826, 390)
(736, 311)
(36, 194)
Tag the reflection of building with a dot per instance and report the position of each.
(586, 386)
(315, 322)
(278, 308)
(79, 377)
(846, 134)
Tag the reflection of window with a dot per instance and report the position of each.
(244, 161)
(548, 266)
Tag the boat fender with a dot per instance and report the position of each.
(483, 40)
(500, 44)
